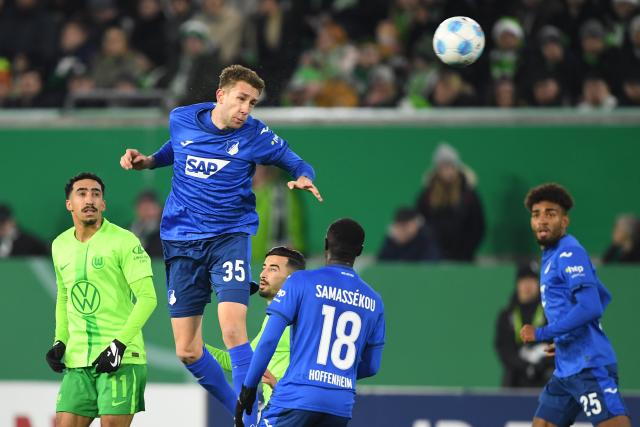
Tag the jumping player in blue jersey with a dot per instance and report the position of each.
(337, 337)
(573, 298)
(209, 216)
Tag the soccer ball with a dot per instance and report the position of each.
(458, 41)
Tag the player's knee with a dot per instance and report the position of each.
(188, 355)
(234, 336)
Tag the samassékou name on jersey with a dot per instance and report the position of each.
(347, 297)
(330, 378)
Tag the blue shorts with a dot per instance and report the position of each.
(193, 267)
(273, 416)
(593, 391)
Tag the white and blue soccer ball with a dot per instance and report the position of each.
(458, 41)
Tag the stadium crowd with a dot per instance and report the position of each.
(373, 53)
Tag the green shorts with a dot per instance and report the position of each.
(87, 393)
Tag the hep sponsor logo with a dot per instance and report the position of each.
(201, 167)
(576, 269)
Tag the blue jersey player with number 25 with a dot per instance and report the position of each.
(209, 217)
(337, 337)
(573, 298)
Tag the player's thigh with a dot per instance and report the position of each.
(78, 394)
(596, 390)
(556, 405)
(230, 273)
(116, 420)
(187, 277)
(67, 419)
(121, 393)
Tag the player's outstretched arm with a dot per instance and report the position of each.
(133, 159)
(304, 183)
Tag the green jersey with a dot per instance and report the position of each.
(95, 298)
(278, 364)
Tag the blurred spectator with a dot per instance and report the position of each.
(74, 57)
(103, 15)
(276, 52)
(553, 58)
(225, 26)
(573, 15)
(504, 93)
(505, 57)
(149, 35)
(146, 225)
(115, 60)
(451, 206)
(279, 211)
(623, 12)
(177, 13)
(27, 28)
(382, 89)
(16, 242)
(596, 94)
(524, 365)
(409, 239)
(336, 92)
(597, 57)
(547, 91)
(451, 90)
(194, 78)
(625, 241)
(533, 14)
(630, 94)
(5, 81)
(29, 92)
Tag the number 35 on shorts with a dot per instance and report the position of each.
(234, 270)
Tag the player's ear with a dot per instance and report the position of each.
(220, 96)
(565, 221)
(68, 205)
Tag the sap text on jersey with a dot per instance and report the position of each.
(347, 297)
(201, 167)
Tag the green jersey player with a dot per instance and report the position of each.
(278, 264)
(101, 269)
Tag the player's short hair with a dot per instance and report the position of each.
(345, 239)
(237, 73)
(295, 259)
(84, 175)
(549, 192)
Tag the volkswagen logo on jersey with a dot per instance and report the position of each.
(201, 167)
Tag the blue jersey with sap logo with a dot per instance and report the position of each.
(212, 173)
(335, 317)
(566, 269)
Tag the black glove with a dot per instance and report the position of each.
(245, 403)
(110, 359)
(54, 356)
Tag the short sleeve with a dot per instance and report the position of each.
(135, 263)
(287, 301)
(269, 147)
(575, 267)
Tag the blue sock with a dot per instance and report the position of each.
(210, 376)
(240, 361)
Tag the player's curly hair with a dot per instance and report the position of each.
(237, 73)
(549, 192)
(295, 259)
(84, 175)
(345, 239)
